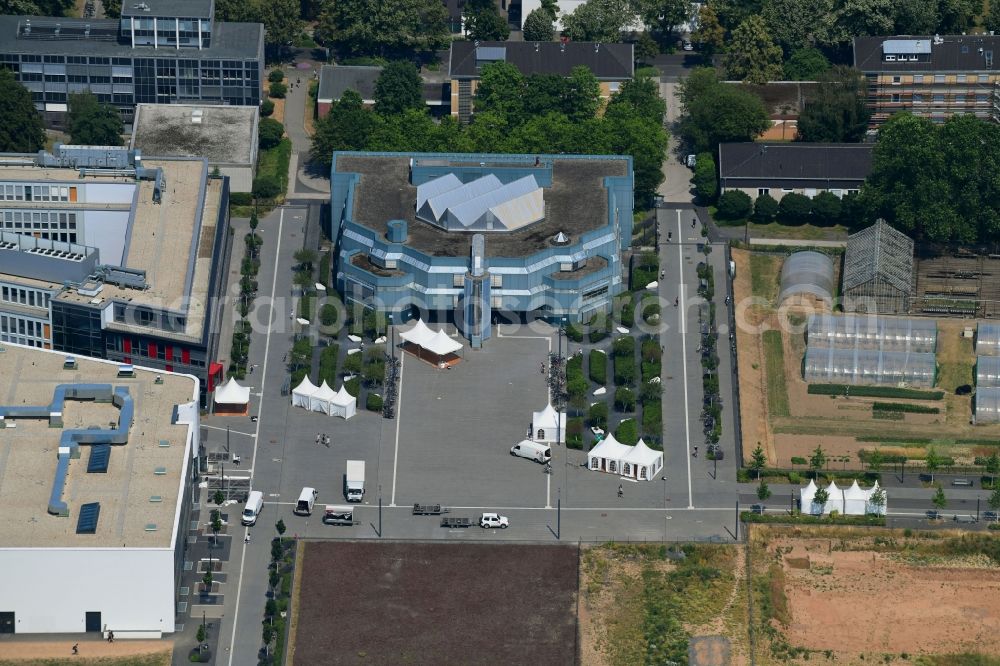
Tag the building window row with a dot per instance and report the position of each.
(33, 297)
(11, 325)
(34, 220)
(37, 192)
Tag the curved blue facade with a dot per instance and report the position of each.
(528, 273)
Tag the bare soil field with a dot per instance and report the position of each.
(25, 651)
(436, 603)
(858, 596)
(838, 424)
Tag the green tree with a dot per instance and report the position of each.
(932, 461)
(539, 26)
(646, 48)
(795, 24)
(387, 27)
(277, 90)
(957, 16)
(582, 95)
(599, 21)
(643, 95)
(876, 503)
(875, 460)
(483, 21)
(632, 133)
(733, 12)
(207, 582)
(765, 209)
(825, 209)
(281, 23)
(266, 186)
(820, 499)
(753, 57)
(763, 491)
(734, 205)
(663, 16)
(398, 87)
(93, 123)
(806, 64)
(202, 634)
(709, 36)
(216, 525)
(52, 8)
(917, 17)
(993, 466)
(305, 257)
(852, 212)
(706, 183)
(994, 502)
(991, 20)
(275, 76)
(794, 209)
(501, 91)
(758, 460)
(348, 126)
(280, 528)
(21, 130)
(837, 113)
(717, 113)
(939, 500)
(817, 460)
(218, 497)
(269, 133)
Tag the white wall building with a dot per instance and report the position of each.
(118, 573)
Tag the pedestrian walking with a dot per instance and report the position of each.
(621, 490)
(317, 438)
(246, 539)
(111, 637)
(693, 222)
(676, 301)
(76, 648)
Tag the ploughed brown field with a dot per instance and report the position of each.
(430, 603)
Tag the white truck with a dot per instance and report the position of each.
(354, 481)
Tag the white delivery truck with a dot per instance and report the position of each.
(338, 515)
(541, 453)
(354, 481)
(255, 502)
(307, 498)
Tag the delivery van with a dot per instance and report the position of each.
(307, 498)
(255, 502)
(532, 450)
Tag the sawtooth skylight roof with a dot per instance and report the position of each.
(484, 204)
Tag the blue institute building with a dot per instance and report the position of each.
(469, 238)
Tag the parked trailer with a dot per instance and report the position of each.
(456, 522)
(428, 510)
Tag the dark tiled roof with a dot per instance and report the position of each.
(608, 62)
(335, 80)
(955, 53)
(242, 41)
(795, 161)
(168, 8)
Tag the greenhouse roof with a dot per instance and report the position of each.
(879, 252)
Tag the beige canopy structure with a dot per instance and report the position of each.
(548, 425)
(432, 346)
(635, 462)
(231, 398)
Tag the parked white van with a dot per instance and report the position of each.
(532, 450)
(255, 502)
(304, 507)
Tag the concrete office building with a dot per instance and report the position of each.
(224, 135)
(107, 255)
(932, 77)
(159, 51)
(95, 517)
(466, 237)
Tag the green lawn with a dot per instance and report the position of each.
(275, 161)
(774, 361)
(764, 269)
(800, 232)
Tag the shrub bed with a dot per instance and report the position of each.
(574, 433)
(808, 519)
(598, 367)
(874, 391)
(627, 432)
(373, 403)
(904, 407)
(328, 365)
(624, 400)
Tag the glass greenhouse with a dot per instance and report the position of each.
(866, 366)
(987, 371)
(868, 332)
(988, 340)
(807, 273)
(988, 405)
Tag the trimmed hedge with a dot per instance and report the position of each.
(874, 391)
(627, 432)
(598, 367)
(373, 403)
(808, 519)
(574, 433)
(904, 407)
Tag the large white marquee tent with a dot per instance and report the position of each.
(635, 462)
(548, 425)
(852, 501)
(324, 399)
(231, 398)
(436, 342)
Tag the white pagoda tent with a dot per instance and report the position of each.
(418, 334)
(302, 393)
(852, 501)
(321, 398)
(635, 462)
(548, 425)
(231, 398)
(855, 500)
(343, 404)
(435, 344)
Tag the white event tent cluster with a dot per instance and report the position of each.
(852, 501)
(437, 343)
(635, 462)
(324, 399)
